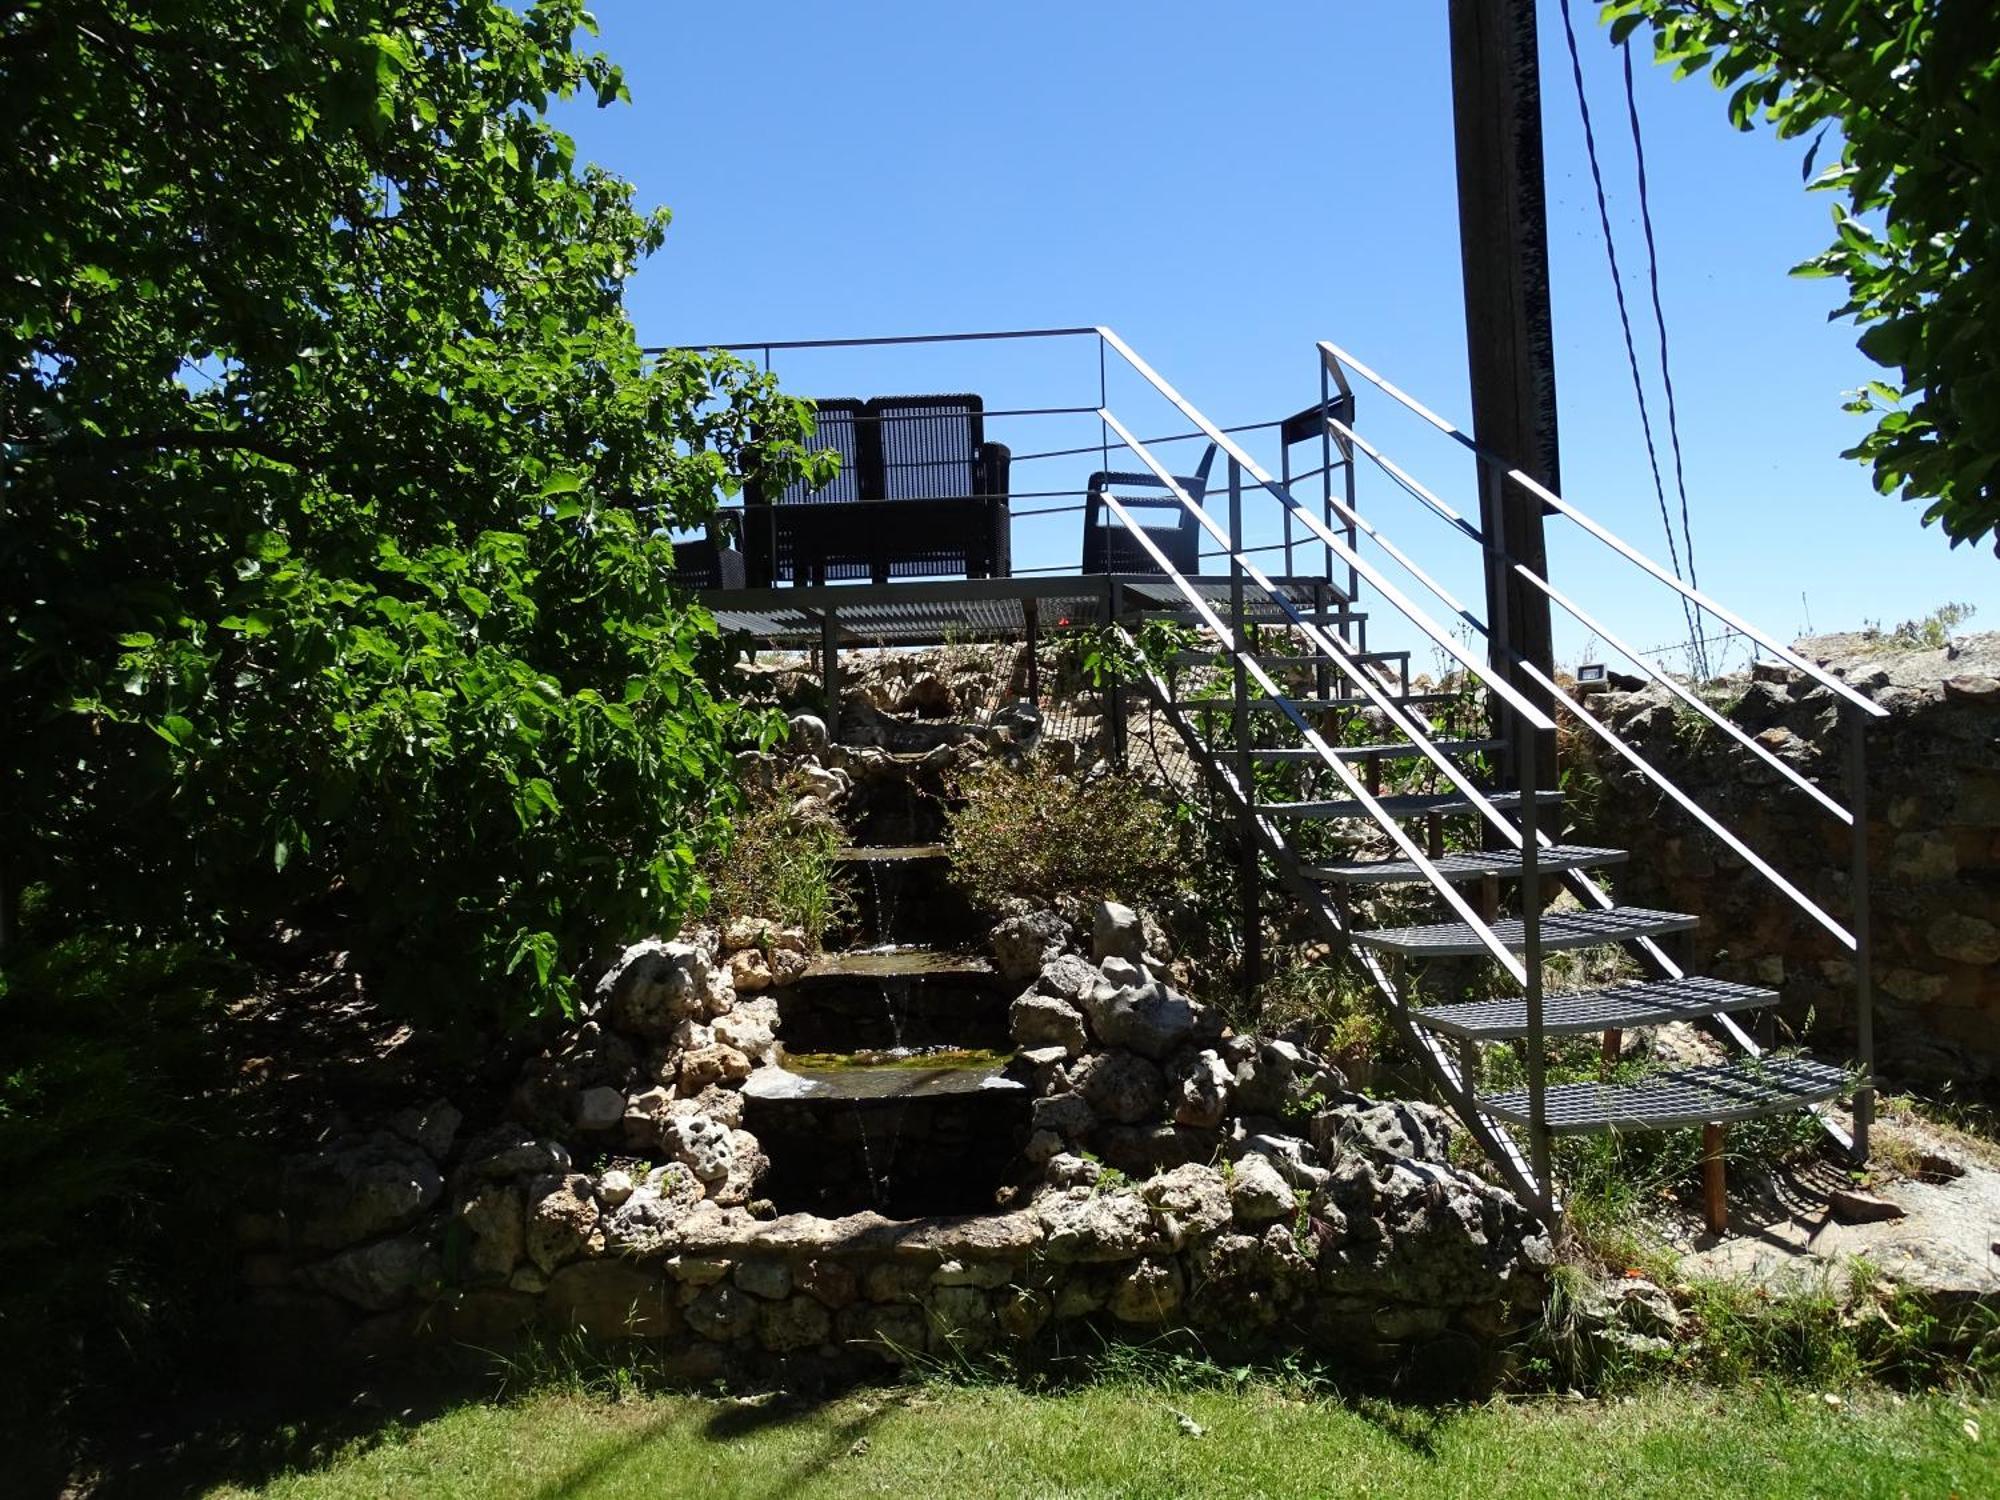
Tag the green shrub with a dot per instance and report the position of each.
(336, 484)
(1031, 832)
(117, 1155)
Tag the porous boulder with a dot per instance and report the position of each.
(358, 1190)
(655, 985)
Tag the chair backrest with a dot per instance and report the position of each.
(839, 424)
(928, 446)
(1108, 547)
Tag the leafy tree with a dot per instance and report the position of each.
(1912, 90)
(330, 570)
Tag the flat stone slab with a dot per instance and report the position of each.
(893, 854)
(876, 1081)
(733, 1232)
(897, 963)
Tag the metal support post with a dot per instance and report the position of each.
(1253, 923)
(829, 671)
(1531, 959)
(1031, 616)
(1864, 990)
(1114, 695)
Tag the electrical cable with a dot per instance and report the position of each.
(1624, 314)
(1660, 322)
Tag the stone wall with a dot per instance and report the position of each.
(1933, 830)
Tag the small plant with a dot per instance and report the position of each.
(1934, 631)
(779, 861)
(1033, 832)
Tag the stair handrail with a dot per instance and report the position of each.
(1533, 716)
(1596, 627)
(1329, 643)
(1340, 357)
(1841, 934)
(1255, 670)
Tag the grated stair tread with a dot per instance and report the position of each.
(1561, 929)
(1620, 1007)
(1321, 705)
(1401, 749)
(1503, 864)
(1714, 1092)
(1400, 805)
(1210, 659)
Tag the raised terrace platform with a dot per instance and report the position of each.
(926, 612)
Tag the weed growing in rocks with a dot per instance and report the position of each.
(1033, 832)
(779, 863)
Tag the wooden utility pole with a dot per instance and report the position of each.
(1504, 248)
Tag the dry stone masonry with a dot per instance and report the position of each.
(1151, 1170)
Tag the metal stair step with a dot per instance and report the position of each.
(1400, 805)
(1504, 864)
(1270, 617)
(1619, 1007)
(1560, 929)
(1714, 1092)
(1320, 705)
(1401, 750)
(1365, 658)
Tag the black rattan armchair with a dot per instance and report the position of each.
(1109, 547)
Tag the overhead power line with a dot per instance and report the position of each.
(1625, 321)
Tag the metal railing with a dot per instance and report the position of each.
(1855, 711)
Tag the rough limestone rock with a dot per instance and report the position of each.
(599, 1108)
(494, 1218)
(1202, 1083)
(723, 1313)
(1190, 1201)
(380, 1276)
(1116, 932)
(1080, 1225)
(751, 1031)
(611, 1299)
(1120, 1086)
(1427, 1236)
(797, 1323)
(358, 1190)
(1067, 977)
(615, 1186)
(1024, 943)
(1149, 1293)
(563, 1222)
(1039, 1021)
(1257, 1193)
(711, 1065)
(1387, 1129)
(1148, 1019)
(961, 1319)
(747, 1166)
(645, 1223)
(768, 1279)
(748, 971)
(703, 1144)
(655, 985)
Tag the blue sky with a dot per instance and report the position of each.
(1224, 186)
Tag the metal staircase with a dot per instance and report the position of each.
(1476, 851)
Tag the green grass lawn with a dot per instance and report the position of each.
(1128, 1440)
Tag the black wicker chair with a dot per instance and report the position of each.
(705, 563)
(920, 493)
(1109, 547)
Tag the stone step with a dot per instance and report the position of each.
(892, 854)
(911, 1078)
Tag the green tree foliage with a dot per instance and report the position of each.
(1911, 91)
(330, 566)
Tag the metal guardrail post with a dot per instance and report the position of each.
(1114, 693)
(1253, 926)
(829, 669)
(1864, 992)
(1531, 958)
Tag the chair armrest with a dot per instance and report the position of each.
(996, 462)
